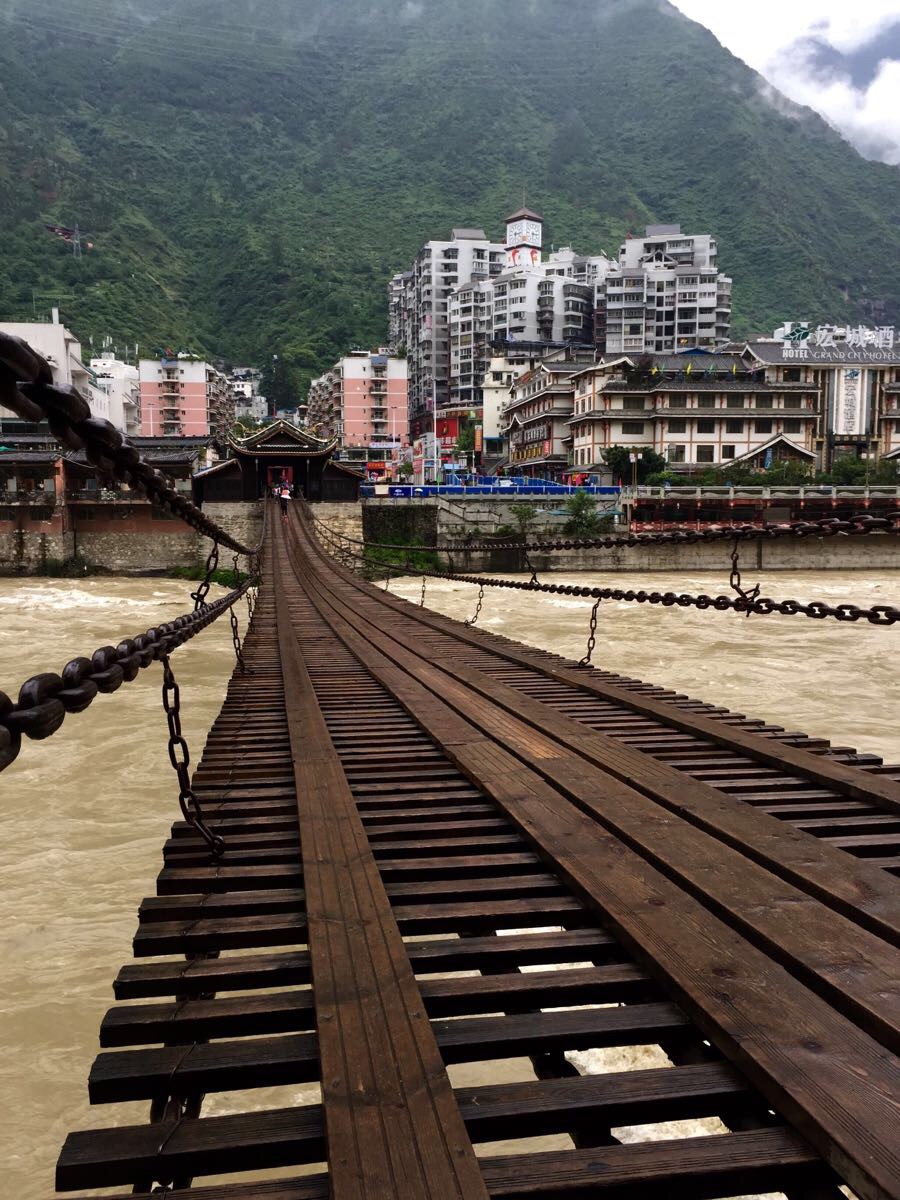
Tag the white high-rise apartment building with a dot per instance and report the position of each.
(666, 295)
(421, 301)
(533, 305)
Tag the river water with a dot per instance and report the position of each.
(84, 815)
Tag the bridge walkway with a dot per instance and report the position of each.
(450, 859)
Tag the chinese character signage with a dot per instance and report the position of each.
(839, 343)
(850, 406)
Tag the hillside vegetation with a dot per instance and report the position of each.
(251, 172)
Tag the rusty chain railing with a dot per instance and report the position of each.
(45, 700)
(745, 602)
(858, 525)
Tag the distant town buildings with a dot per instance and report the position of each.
(467, 300)
(363, 402)
(184, 397)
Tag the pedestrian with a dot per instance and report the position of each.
(284, 495)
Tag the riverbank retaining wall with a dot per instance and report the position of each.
(145, 541)
(399, 522)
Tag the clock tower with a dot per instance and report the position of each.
(524, 235)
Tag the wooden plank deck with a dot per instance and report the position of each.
(454, 867)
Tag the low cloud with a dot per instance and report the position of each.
(866, 110)
(840, 59)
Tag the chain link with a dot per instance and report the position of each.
(592, 637)
(422, 597)
(180, 758)
(236, 640)
(477, 611)
(46, 699)
(749, 594)
(530, 566)
(747, 600)
(212, 563)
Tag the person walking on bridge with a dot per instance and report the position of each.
(284, 494)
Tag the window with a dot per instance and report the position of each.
(734, 426)
(706, 402)
(763, 426)
(632, 426)
(676, 454)
(706, 425)
(633, 403)
(728, 451)
(734, 402)
(705, 454)
(764, 402)
(793, 426)
(678, 426)
(792, 374)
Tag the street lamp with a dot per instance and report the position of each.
(633, 458)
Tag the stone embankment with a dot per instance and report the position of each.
(431, 521)
(125, 547)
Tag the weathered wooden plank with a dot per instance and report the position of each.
(390, 1117)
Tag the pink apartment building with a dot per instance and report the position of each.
(181, 397)
(363, 401)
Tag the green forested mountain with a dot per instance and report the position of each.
(251, 172)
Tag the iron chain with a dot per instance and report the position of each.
(861, 524)
(212, 562)
(734, 579)
(592, 636)
(46, 699)
(747, 601)
(477, 611)
(236, 640)
(180, 758)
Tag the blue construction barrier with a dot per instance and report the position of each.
(407, 491)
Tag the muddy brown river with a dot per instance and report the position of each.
(84, 815)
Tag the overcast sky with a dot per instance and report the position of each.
(840, 57)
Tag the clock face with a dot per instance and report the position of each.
(523, 233)
(532, 233)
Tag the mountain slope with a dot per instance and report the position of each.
(252, 171)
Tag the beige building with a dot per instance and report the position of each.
(696, 410)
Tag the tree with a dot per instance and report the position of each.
(465, 441)
(404, 470)
(618, 460)
(279, 385)
(584, 521)
(524, 516)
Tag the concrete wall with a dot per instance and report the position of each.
(135, 541)
(137, 553)
(386, 520)
(342, 518)
(27, 550)
(242, 520)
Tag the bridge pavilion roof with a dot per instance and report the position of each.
(282, 440)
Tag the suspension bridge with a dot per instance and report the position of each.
(412, 849)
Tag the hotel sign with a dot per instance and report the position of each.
(840, 343)
(849, 417)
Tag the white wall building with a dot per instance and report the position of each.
(666, 295)
(62, 350)
(120, 382)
